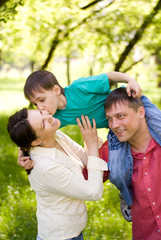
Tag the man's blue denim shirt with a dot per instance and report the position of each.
(120, 158)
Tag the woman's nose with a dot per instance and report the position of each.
(48, 117)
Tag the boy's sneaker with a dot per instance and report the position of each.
(125, 209)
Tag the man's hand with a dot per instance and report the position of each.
(24, 161)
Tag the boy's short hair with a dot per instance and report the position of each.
(119, 95)
(39, 80)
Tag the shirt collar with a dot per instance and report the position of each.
(152, 144)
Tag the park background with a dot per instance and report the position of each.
(72, 39)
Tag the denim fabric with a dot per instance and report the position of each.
(153, 118)
(38, 238)
(120, 158)
(80, 237)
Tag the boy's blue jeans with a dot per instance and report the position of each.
(120, 158)
(80, 237)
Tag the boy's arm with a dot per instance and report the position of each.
(132, 84)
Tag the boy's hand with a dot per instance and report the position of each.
(24, 161)
(89, 135)
(124, 78)
(133, 89)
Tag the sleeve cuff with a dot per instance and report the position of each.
(97, 163)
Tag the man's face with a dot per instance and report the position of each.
(124, 121)
(46, 100)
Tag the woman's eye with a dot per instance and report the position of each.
(41, 100)
(43, 125)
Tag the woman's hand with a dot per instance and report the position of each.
(89, 135)
(24, 161)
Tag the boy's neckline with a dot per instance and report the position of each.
(62, 102)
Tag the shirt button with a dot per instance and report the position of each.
(149, 189)
(157, 216)
(158, 230)
(153, 203)
(144, 157)
(146, 173)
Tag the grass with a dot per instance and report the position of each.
(18, 203)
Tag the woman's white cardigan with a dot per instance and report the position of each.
(61, 188)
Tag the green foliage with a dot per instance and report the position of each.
(17, 200)
(101, 31)
(105, 220)
(9, 9)
(18, 203)
(74, 133)
(18, 214)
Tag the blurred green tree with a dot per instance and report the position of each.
(106, 31)
(8, 9)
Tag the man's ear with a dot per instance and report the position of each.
(36, 143)
(141, 111)
(57, 90)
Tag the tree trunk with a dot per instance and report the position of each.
(158, 63)
(2, 2)
(90, 4)
(68, 69)
(60, 36)
(54, 44)
(137, 36)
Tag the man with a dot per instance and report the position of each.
(126, 116)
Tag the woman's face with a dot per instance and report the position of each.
(43, 123)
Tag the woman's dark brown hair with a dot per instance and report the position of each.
(20, 130)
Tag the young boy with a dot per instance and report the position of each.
(84, 96)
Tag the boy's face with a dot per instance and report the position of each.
(124, 121)
(46, 100)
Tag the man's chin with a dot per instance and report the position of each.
(122, 138)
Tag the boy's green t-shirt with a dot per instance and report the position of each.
(85, 96)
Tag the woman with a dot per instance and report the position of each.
(57, 177)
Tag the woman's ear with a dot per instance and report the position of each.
(36, 143)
